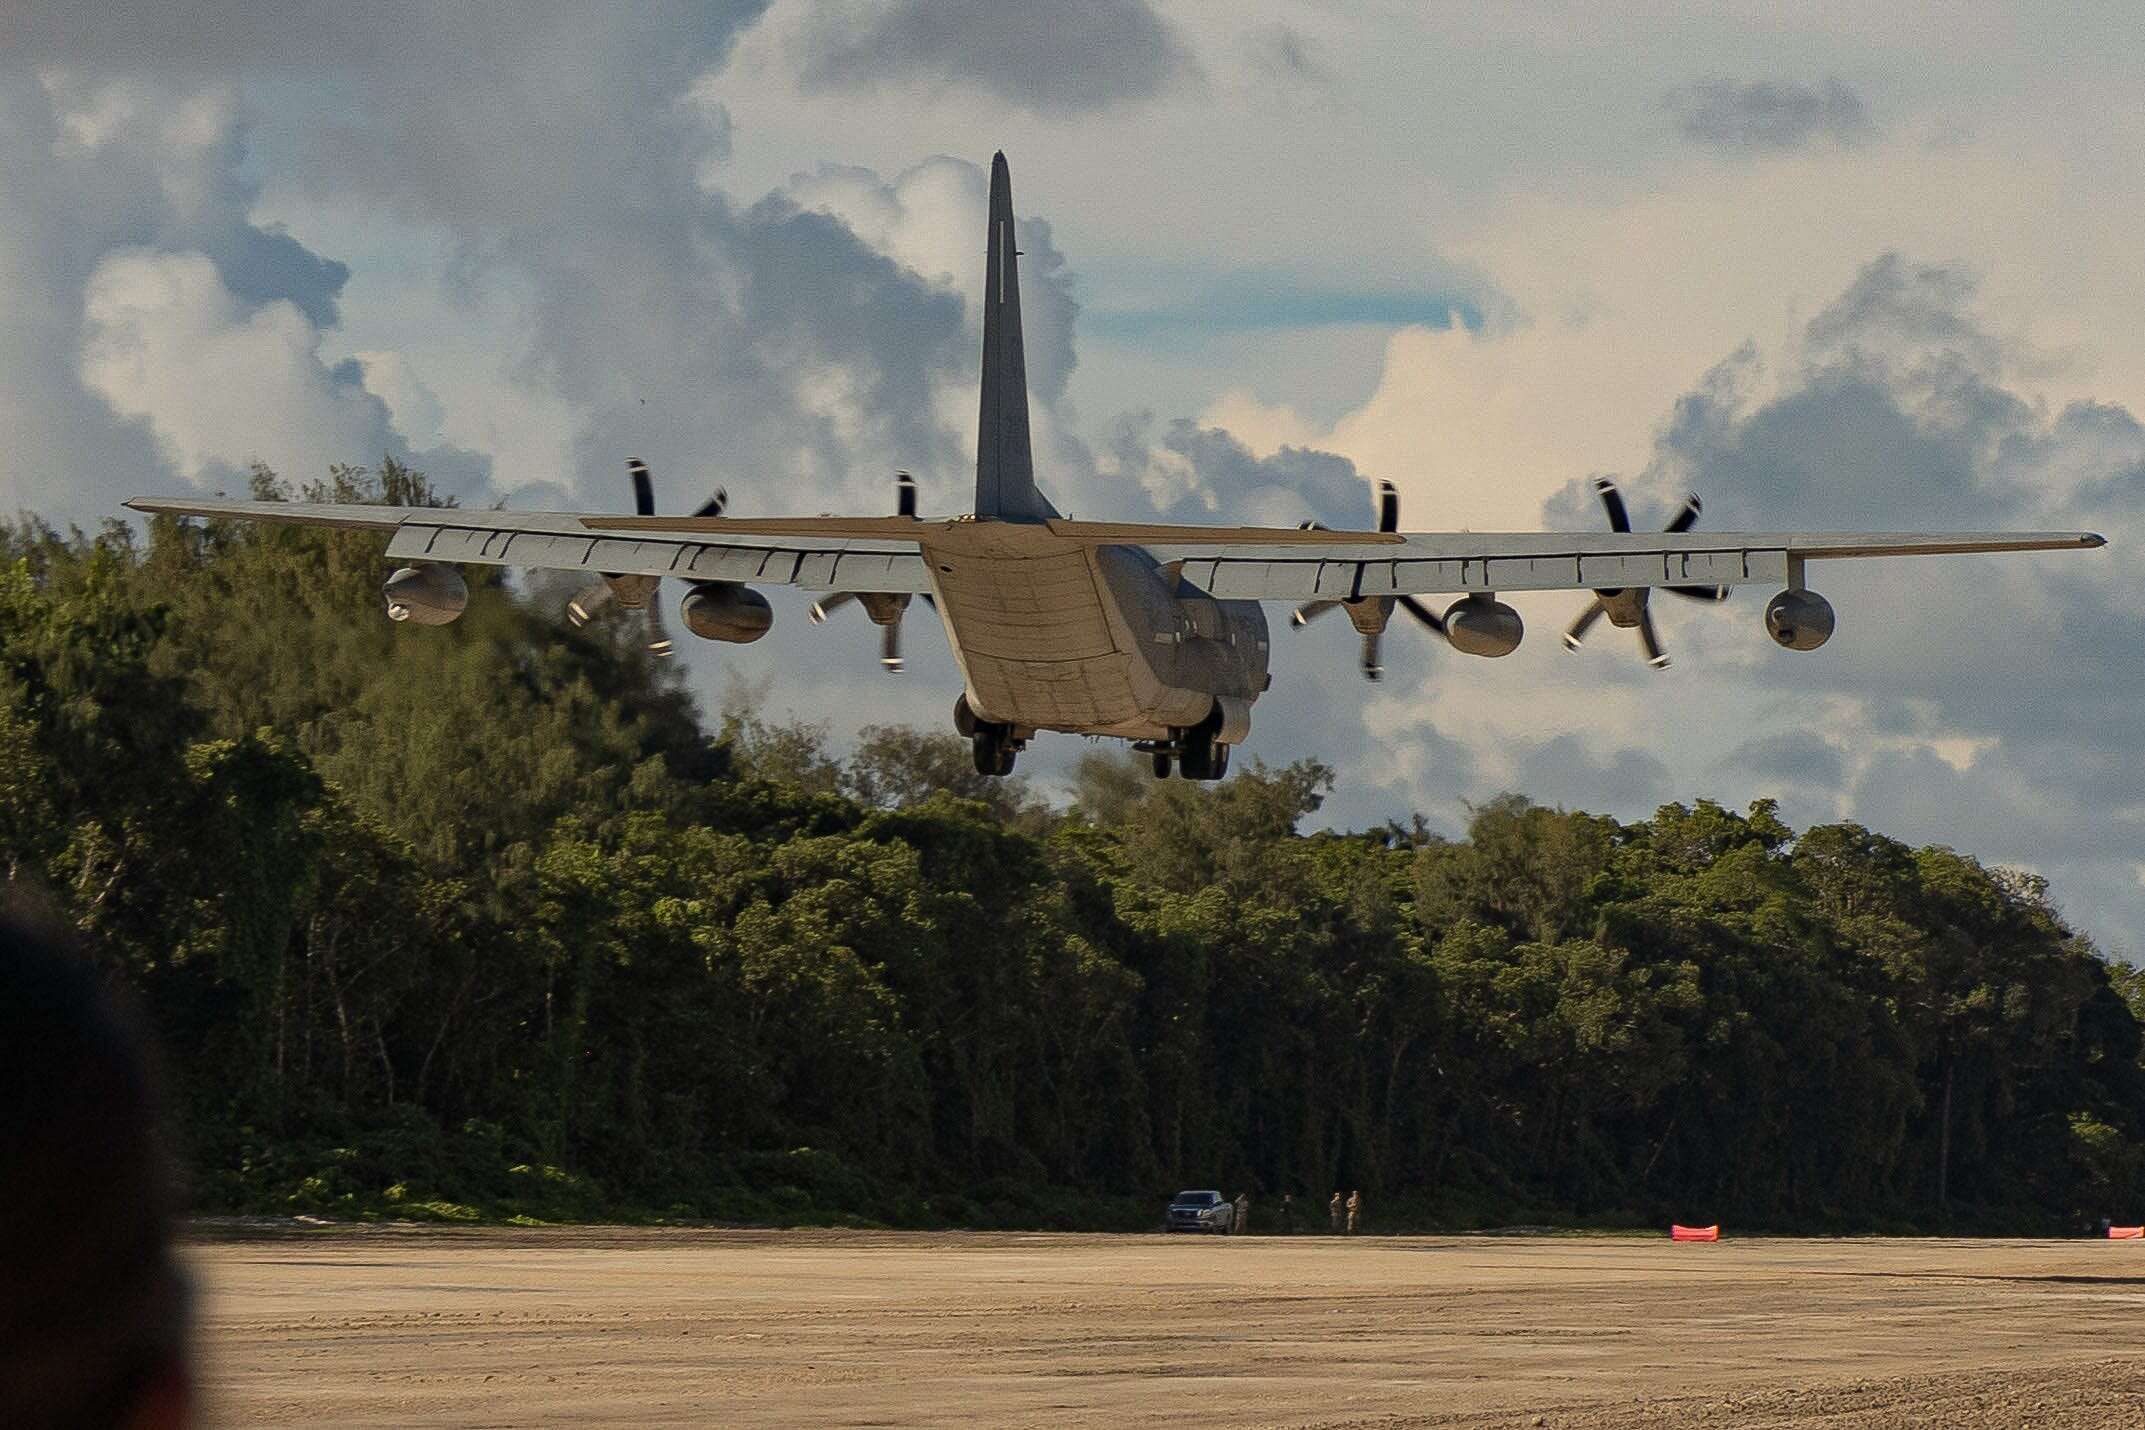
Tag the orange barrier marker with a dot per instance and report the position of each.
(2126, 1233)
(1694, 1233)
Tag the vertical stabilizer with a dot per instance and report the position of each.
(1005, 462)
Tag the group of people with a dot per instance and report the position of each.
(1343, 1217)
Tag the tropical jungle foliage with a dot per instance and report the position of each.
(483, 921)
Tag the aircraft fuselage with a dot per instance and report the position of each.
(1060, 635)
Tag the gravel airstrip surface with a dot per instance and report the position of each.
(416, 1326)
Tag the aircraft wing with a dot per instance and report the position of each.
(882, 554)
(817, 554)
(1424, 563)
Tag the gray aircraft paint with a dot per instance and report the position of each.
(1005, 460)
(1138, 631)
(1089, 639)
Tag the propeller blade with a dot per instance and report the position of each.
(588, 600)
(1688, 517)
(658, 638)
(1651, 642)
(834, 602)
(643, 486)
(1388, 507)
(714, 505)
(1422, 613)
(1594, 612)
(1698, 593)
(1310, 611)
(890, 647)
(1372, 668)
(904, 495)
(1613, 500)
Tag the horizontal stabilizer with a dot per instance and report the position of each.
(907, 528)
(862, 528)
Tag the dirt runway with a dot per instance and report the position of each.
(405, 1326)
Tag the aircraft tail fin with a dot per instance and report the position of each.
(1005, 461)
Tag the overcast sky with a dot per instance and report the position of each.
(1827, 270)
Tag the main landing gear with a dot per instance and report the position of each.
(996, 745)
(1192, 751)
(1196, 754)
(995, 748)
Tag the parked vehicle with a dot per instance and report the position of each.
(1207, 1211)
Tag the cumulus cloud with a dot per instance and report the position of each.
(563, 182)
(411, 402)
(926, 218)
(166, 342)
(182, 151)
(1987, 703)
(1050, 59)
(1197, 474)
(157, 332)
(554, 225)
(1984, 702)
(796, 348)
(1765, 115)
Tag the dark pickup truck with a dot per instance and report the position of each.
(1200, 1211)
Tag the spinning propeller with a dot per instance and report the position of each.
(885, 608)
(1371, 613)
(637, 593)
(1628, 608)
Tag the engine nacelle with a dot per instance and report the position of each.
(1483, 625)
(722, 611)
(428, 595)
(1799, 620)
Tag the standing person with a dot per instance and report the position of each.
(1355, 1210)
(1333, 1213)
(1241, 1222)
(1288, 1213)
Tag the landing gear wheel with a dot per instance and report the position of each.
(994, 749)
(1196, 757)
(1161, 764)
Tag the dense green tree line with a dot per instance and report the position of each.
(485, 919)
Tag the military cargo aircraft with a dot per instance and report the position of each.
(1146, 632)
